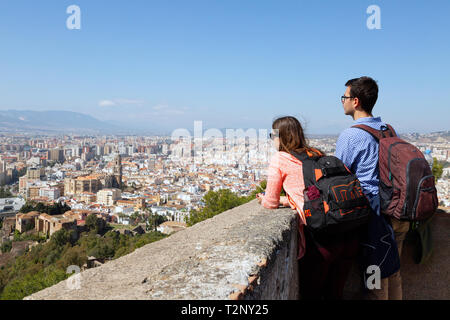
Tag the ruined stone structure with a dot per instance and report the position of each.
(50, 224)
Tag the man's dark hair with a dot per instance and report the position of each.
(366, 90)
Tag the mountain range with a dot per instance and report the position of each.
(56, 122)
(68, 122)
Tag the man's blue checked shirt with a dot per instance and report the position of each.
(359, 152)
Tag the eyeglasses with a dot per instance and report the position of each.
(272, 135)
(344, 97)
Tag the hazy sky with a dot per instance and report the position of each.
(232, 64)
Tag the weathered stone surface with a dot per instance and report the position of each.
(245, 253)
(430, 280)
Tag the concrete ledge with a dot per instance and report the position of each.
(245, 253)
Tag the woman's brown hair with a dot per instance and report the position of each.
(292, 138)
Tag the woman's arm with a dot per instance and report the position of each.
(271, 199)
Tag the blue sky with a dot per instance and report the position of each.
(232, 64)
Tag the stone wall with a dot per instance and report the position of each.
(245, 253)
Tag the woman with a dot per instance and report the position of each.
(285, 171)
(323, 266)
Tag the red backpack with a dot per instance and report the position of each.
(407, 185)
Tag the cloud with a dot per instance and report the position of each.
(165, 110)
(120, 103)
(130, 102)
(106, 103)
(160, 107)
(175, 112)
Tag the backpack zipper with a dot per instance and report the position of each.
(417, 194)
(407, 183)
(389, 160)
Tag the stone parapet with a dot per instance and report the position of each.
(245, 253)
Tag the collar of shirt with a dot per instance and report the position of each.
(368, 120)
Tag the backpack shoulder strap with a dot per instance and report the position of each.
(308, 167)
(385, 132)
(301, 156)
(391, 130)
(373, 132)
(306, 156)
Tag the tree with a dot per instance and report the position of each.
(61, 238)
(103, 249)
(135, 218)
(28, 284)
(45, 264)
(262, 188)
(4, 193)
(73, 256)
(215, 203)
(40, 207)
(91, 222)
(51, 258)
(6, 246)
(17, 235)
(27, 207)
(437, 169)
(153, 220)
(22, 172)
(54, 209)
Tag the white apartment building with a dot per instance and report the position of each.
(50, 193)
(108, 197)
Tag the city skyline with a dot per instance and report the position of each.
(165, 65)
(81, 192)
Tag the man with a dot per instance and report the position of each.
(359, 152)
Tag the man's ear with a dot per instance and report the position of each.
(356, 103)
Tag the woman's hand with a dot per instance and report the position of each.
(260, 196)
(284, 201)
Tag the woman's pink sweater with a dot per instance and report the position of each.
(286, 171)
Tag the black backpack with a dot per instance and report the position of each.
(334, 200)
